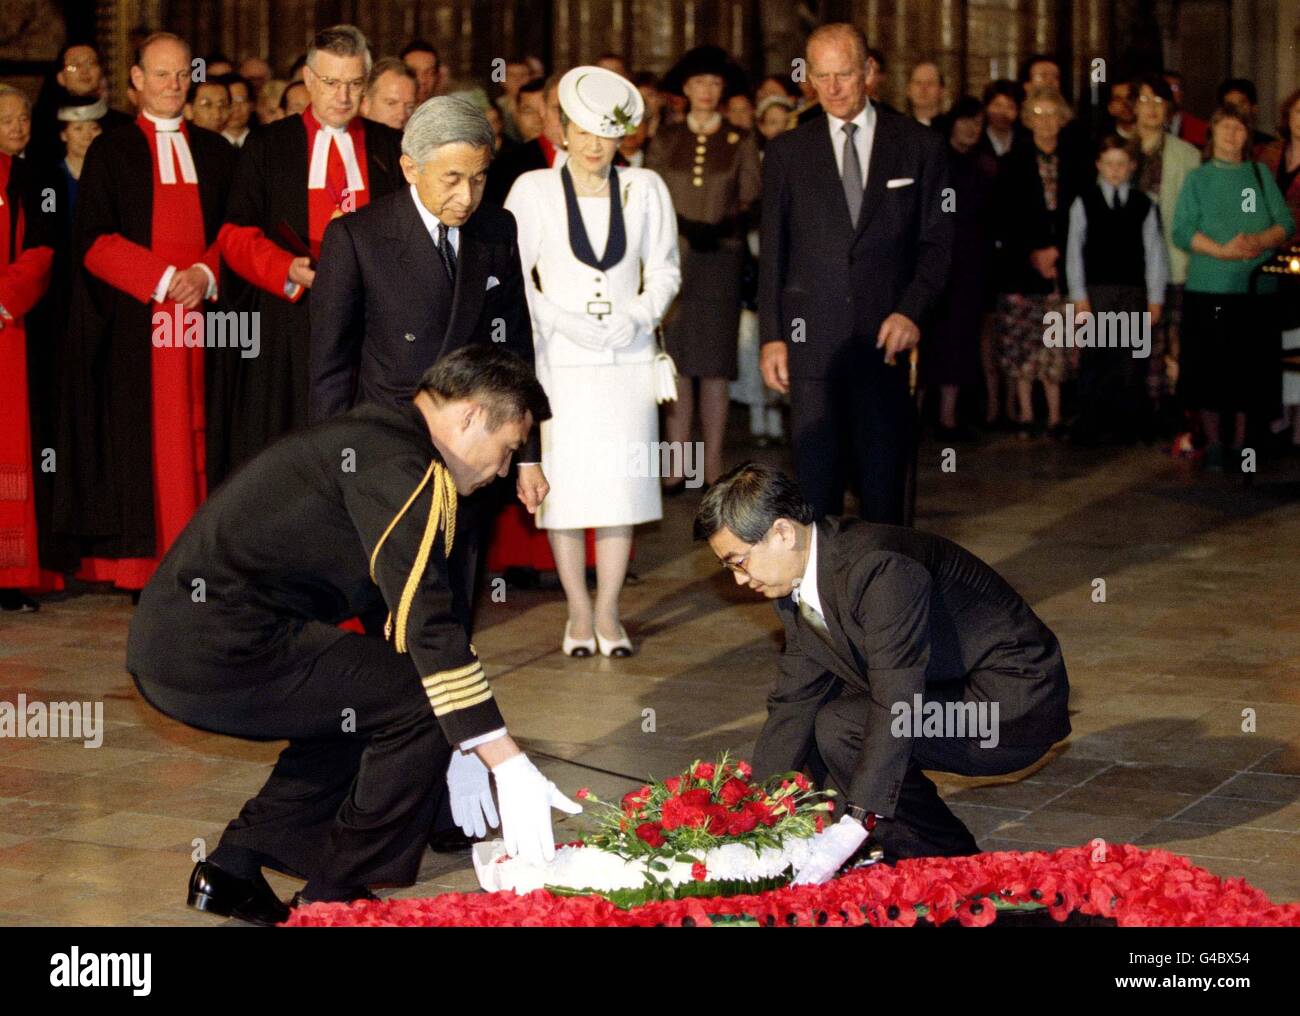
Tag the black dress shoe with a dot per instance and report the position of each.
(215, 891)
(452, 841)
(14, 601)
(299, 900)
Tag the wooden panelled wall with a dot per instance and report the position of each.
(973, 40)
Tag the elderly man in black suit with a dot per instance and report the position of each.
(856, 248)
(420, 273)
(903, 652)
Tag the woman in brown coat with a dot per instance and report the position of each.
(712, 172)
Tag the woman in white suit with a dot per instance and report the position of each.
(603, 242)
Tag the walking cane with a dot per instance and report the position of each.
(914, 442)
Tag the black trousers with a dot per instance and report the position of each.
(351, 800)
(922, 826)
(1113, 400)
(855, 426)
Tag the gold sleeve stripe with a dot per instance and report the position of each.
(450, 698)
(438, 687)
(396, 518)
(453, 674)
(443, 710)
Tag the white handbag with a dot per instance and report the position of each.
(665, 372)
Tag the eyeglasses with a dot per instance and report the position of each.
(737, 565)
(1151, 98)
(332, 84)
(211, 104)
(88, 65)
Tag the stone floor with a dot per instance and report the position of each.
(1199, 624)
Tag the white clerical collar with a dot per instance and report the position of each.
(172, 149)
(866, 121)
(162, 123)
(320, 152)
(806, 589)
(432, 222)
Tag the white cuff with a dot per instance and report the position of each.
(291, 289)
(160, 290)
(211, 293)
(474, 742)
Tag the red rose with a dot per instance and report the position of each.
(697, 798)
(651, 832)
(582, 794)
(704, 771)
(672, 783)
(762, 812)
(677, 811)
(801, 781)
(717, 817)
(699, 872)
(733, 792)
(740, 822)
(745, 769)
(633, 799)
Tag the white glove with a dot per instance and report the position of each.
(527, 797)
(471, 794)
(830, 849)
(584, 330)
(622, 330)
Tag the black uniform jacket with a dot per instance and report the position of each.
(320, 527)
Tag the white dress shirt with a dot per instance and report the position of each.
(432, 222)
(863, 139)
(806, 587)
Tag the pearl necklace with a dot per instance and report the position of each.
(711, 124)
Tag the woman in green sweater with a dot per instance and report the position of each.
(1230, 218)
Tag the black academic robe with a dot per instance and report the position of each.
(104, 491)
(258, 399)
(46, 325)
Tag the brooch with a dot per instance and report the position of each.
(732, 138)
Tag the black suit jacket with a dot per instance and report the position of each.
(379, 314)
(909, 613)
(842, 282)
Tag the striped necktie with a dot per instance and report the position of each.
(447, 251)
(815, 620)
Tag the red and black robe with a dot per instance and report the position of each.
(26, 256)
(270, 208)
(133, 442)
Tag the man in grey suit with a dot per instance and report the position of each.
(903, 652)
(855, 251)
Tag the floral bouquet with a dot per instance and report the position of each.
(707, 832)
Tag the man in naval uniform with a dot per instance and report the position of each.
(236, 633)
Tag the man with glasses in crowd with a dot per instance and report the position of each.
(295, 177)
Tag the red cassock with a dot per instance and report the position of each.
(260, 259)
(176, 384)
(24, 275)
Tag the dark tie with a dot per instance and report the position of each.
(852, 173)
(448, 254)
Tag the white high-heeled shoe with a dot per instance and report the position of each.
(619, 647)
(577, 647)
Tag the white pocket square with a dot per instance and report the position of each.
(900, 181)
(492, 281)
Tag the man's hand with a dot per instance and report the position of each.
(830, 849)
(188, 287)
(301, 272)
(897, 335)
(775, 365)
(526, 798)
(471, 794)
(531, 486)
